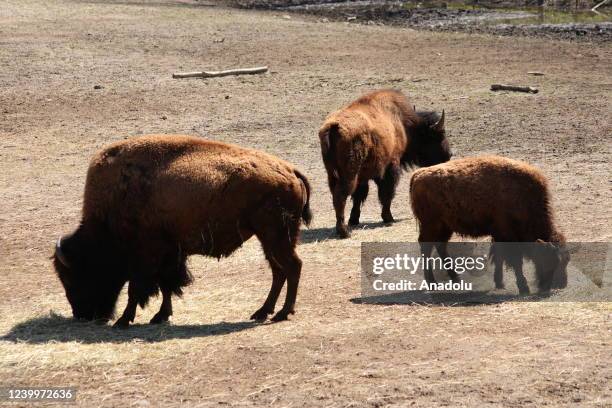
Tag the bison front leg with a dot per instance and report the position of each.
(165, 311)
(129, 314)
(386, 190)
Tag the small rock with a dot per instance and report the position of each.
(164, 117)
(287, 17)
(351, 18)
(98, 87)
(227, 96)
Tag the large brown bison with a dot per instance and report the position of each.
(491, 196)
(152, 201)
(372, 139)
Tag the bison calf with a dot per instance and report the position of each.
(372, 139)
(152, 201)
(491, 196)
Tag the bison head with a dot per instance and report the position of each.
(551, 259)
(562, 256)
(88, 277)
(428, 144)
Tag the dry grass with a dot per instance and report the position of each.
(334, 351)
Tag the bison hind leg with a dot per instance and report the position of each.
(339, 196)
(277, 228)
(433, 233)
(514, 258)
(359, 196)
(386, 190)
(496, 255)
(442, 248)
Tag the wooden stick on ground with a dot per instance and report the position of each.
(594, 9)
(500, 87)
(212, 74)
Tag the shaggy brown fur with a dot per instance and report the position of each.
(490, 196)
(152, 201)
(372, 139)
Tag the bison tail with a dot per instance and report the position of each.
(306, 212)
(329, 136)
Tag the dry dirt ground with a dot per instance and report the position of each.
(334, 351)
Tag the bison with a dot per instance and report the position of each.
(152, 201)
(491, 196)
(372, 139)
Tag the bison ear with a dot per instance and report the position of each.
(439, 125)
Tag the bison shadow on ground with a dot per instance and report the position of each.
(55, 328)
(310, 235)
(424, 298)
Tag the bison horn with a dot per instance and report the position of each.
(60, 254)
(439, 125)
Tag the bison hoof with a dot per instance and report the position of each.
(353, 221)
(122, 323)
(282, 315)
(261, 315)
(388, 219)
(429, 277)
(101, 322)
(343, 231)
(159, 318)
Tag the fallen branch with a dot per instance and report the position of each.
(500, 87)
(598, 5)
(213, 74)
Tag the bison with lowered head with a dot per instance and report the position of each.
(491, 196)
(372, 139)
(152, 201)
